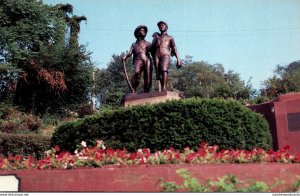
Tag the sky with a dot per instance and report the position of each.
(249, 37)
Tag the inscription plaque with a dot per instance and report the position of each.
(293, 121)
(9, 183)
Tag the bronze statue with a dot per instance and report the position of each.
(163, 46)
(141, 60)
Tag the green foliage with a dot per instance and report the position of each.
(190, 184)
(85, 109)
(200, 79)
(296, 185)
(36, 58)
(176, 123)
(24, 144)
(274, 87)
(51, 119)
(284, 80)
(228, 183)
(8, 78)
(14, 121)
(23, 28)
(225, 184)
(169, 186)
(4, 109)
(111, 84)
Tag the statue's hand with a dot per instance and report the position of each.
(178, 64)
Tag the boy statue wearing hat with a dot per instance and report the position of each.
(141, 59)
(163, 46)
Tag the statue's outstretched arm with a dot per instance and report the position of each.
(129, 53)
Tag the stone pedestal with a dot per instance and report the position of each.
(150, 98)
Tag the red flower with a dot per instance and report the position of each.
(172, 149)
(40, 164)
(260, 151)
(56, 148)
(85, 150)
(203, 145)
(287, 156)
(271, 159)
(120, 153)
(297, 158)
(211, 149)
(110, 151)
(169, 157)
(270, 152)
(30, 160)
(100, 151)
(71, 161)
(10, 157)
(201, 153)
(98, 156)
(143, 160)
(133, 156)
(61, 155)
(18, 158)
(286, 148)
(278, 156)
(146, 150)
(125, 150)
(177, 156)
(187, 148)
(248, 154)
(217, 156)
(190, 157)
(223, 151)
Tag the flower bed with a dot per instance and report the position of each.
(118, 170)
(98, 156)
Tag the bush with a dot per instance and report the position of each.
(85, 109)
(50, 119)
(176, 123)
(24, 144)
(4, 109)
(15, 121)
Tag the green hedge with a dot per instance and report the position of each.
(175, 123)
(24, 144)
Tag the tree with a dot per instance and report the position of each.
(284, 80)
(111, 85)
(200, 79)
(8, 78)
(234, 87)
(52, 74)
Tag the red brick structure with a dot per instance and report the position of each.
(146, 178)
(283, 116)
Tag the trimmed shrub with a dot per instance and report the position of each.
(24, 144)
(175, 124)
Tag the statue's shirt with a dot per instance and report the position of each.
(163, 45)
(140, 50)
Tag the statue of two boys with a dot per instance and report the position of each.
(161, 49)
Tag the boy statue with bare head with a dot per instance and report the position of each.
(141, 59)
